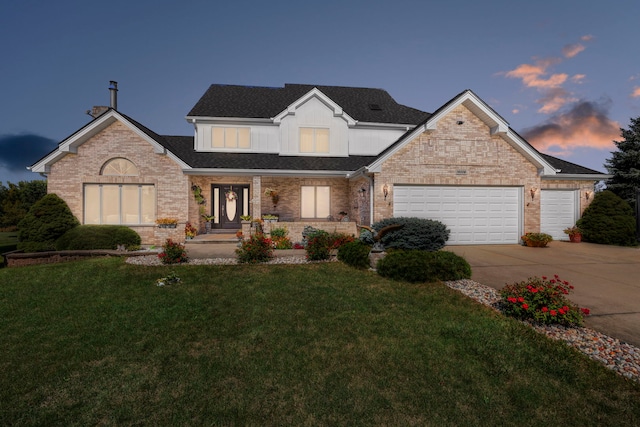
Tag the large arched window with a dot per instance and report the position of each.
(128, 204)
(119, 167)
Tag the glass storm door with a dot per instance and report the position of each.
(229, 203)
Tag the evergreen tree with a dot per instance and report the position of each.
(624, 164)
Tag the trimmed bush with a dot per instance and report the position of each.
(256, 249)
(318, 246)
(355, 254)
(47, 220)
(418, 266)
(86, 237)
(416, 233)
(608, 220)
(542, 300)
(173, 253)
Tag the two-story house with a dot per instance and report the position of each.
(323, 150)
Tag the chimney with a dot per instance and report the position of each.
(114, 94)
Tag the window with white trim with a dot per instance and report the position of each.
(128, 204)
(222, 137)
(314, 140)
(315, 201)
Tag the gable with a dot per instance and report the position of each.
(460, 128)
(71, 144)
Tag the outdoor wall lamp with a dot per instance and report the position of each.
(532, 191)
(361, 191)
(587, 194)
(385, 191)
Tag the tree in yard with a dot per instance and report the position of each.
(17, 199)
(47, 220)
(624, 164)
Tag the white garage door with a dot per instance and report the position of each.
(557, 212)
(475, 215)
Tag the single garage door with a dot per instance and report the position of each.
(475, 215)
(557, 212)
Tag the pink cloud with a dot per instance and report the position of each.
(554, 99)
(587, 38)
(571, 50)
(578, 78)
(586, 124)
(636, 92)
(535, 75)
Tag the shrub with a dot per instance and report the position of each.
(355, 254)
(254, 250)
(542, 300)
(318, 248)
(47, 220)
(608, 220)
(336, 240)
(280, 239)
(421, 266)
(86, 237)
(416, 233)
(173, 253)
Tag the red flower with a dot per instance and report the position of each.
(585, 311)
(545, 309)
(511, 299)
(534, 290)
(544, 277)
(525, 306)
(562, 312)
(553, 312)
(520, 299)
(552, 281)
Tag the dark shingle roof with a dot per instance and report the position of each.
(363, 104)
(568, 167)
(182, 146)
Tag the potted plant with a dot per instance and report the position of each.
(167, 222)
(270, 218)
(190, 231)
(245, 218)
(575, 234)
(536, 240)
(207, 222)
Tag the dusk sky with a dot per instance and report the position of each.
(565, 74)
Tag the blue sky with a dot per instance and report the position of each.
(565, 74)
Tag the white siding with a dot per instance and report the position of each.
(371, 142)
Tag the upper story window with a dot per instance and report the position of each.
(230, 137)
(314, 140)
(119, 167)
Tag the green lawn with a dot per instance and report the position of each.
(8, 241)
(96, 342)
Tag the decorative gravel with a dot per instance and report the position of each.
(619, 356)
(154, 260)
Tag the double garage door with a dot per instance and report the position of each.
(475, 215)
(485, 215)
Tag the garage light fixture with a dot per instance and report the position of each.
(532, 191)
(587, 194)
(385, 191)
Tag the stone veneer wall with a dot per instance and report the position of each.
(68, 175)
(458, 155)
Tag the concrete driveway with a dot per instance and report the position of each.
(606, 278)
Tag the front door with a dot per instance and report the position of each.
(230, 201)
